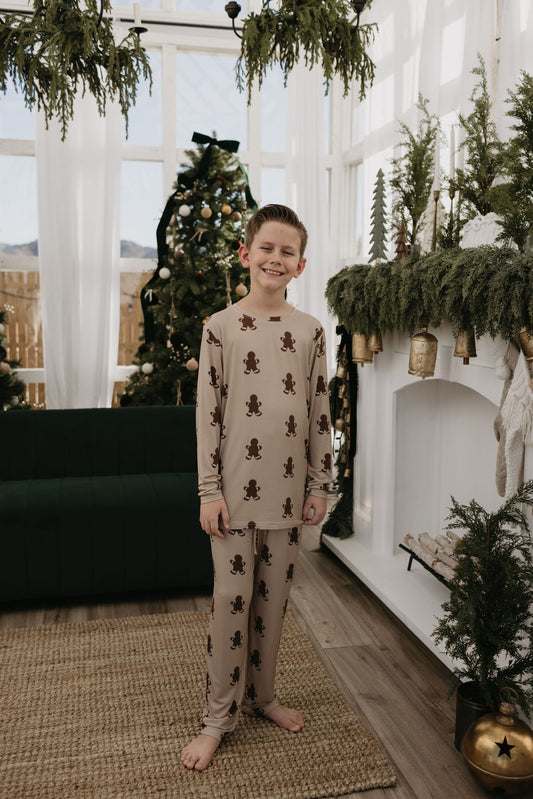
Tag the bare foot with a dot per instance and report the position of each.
(286, 717)
(199, 753)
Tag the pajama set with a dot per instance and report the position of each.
(264, 442)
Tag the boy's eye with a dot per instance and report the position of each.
(287, 252)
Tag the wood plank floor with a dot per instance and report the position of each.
(396, 686)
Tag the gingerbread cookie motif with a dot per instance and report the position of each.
(289, 468)
(262, 590)
(207, 684)
(255, 659)
(252, 490)
(287, 342)
(212, 339)
(215, 416)
(236, 640)
(235, 676)
(266, 555)
(247, 322)
(321, 387)
(238, 565)
(259, 627)
(209, 645)
(326, 461)
(215, 458)
(238, 604)
(251, 693)
(224, 391)
(290, 573)
(251, 362)
(290, 424)
(294, 536)
(233, 709)
(318, 338)
(289, 384)
(285, 608)
(253, 405)
(287, 508)
(323, 424)
(214, 378)
(254, 448)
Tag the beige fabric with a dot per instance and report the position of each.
(253, 576)
(263, 418)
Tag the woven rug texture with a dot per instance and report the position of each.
(101, 710)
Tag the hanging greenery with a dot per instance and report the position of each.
(486, 288)
(67, 48)
(317, 30)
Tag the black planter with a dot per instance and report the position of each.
(469, 708)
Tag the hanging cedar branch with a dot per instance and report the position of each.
(63, 50)
(321, 32)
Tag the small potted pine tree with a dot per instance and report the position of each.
(486, 626)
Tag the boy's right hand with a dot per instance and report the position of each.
(214, 517)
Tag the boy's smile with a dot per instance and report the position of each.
(273, 257)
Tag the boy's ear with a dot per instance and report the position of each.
(244, 256)
(301, 266)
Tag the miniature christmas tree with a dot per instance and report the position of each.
(378, 235)
(198, 273)
(11, 387)
(402, 250)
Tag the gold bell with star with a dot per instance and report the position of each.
(498, 750)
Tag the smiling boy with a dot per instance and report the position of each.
(264, 455)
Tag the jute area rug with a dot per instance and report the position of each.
(101, 710)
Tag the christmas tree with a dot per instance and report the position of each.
(198, 272)
(11, 387)
(378, 235)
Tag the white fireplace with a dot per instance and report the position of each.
(418, 442)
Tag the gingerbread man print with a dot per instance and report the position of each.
(323, 424)
(252, 490)
(266, 555)
(259, 627)
(238, 565)
(251, 362)
(290, 573)
(289, 468)
(214, 378)
(262, 590)
(254, 405)
(321, 387)
(251, 693)
(238, 604)
(291, 425)
(254, 449)
(255, 659)
(318, 338)
(247, 322)
(287, 508)
(287, 342)
(289, 384)
(294, 536)
(212, 339)
(236, 640)
(235, 676)
(215, 458)
(326, 462)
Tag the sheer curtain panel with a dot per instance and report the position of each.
(79, 249)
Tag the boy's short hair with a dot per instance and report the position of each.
(275, 213)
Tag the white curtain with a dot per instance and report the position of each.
(79, 212)
(305, 185)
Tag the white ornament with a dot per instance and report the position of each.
(241, 290)
(164, 273)
(147, 368)
(502, 370)
(192, 365)
(206, 212)
(5, 368)
(14, 401)
(184, 210)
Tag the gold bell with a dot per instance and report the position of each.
(375, 342)
(341, 371)
(526, 344)
(498, 750)
(339, 424)
(360, 352)
(423, 354)
(347, 472)
(465, 346)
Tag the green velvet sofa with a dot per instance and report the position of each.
(98, 501)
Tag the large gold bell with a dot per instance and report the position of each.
(341, 371)
(423, 354)
(375, 342)
(526, 344)
(498, 750)
(465, 346)
(360, 351)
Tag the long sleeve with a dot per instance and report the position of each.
(319, 471)
(209, 428)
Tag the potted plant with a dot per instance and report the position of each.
(486, 626)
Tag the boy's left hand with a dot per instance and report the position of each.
(319, 507)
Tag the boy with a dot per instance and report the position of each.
(263, 433)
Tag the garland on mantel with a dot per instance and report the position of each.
(485, 289)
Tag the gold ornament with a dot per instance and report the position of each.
(465, 346)
(205, 319)
(339, 424)
(341, 371)
(423, 354)
(241, 290)
(498, 750)
(225, 209)
(526, 344)
(237, 216)
(347, 472)
(5, 368)
(375, 342)
(205, 211)
(178, 253)
(360, 352)
(192, 365)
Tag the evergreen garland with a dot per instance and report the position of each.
(486, 624)
(321, 31)
(65, 49)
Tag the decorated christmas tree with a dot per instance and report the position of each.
(11, 387)
(378, 234)
(198, 272)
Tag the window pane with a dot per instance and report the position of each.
(273, 112)
(208, 100)
(131, 315)
(145, 125)
(18, 202)
(272, 185)
(215, 6)
(141, 205)
(16, 121)
(142, 3)
(20, 291)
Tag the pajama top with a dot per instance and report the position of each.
(262, 419)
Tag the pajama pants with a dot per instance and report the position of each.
(253, 574)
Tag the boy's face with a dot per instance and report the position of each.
(273, 257)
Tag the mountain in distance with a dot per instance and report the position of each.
(128, 249)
